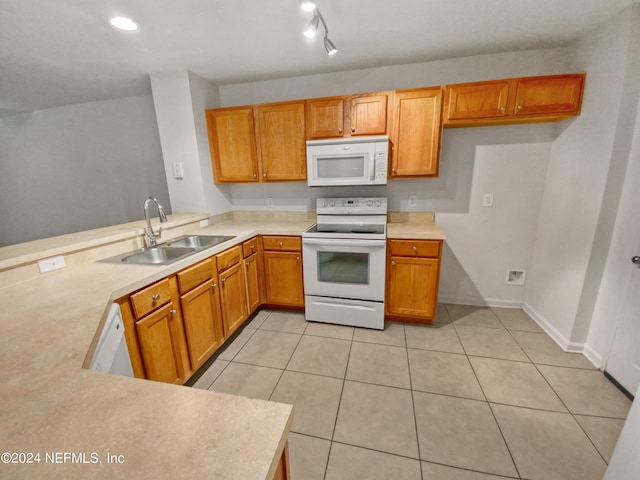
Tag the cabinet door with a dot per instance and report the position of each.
(325, 118)
(233, 145)
(202, 322)
(416, 131)
(413, 286)
(367, 115)
(283, 278)
(280, 130)
(233, 298)
(559, 94)
(252, 278)
(160, 347)
(477, 100)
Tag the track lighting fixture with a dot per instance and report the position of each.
(311, 29)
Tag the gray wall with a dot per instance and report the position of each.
(75, 168)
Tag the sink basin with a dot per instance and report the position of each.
(158, 255)
(198, 241)
(172, 251)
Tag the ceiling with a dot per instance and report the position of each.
(62, 52)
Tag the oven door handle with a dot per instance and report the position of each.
(347, 242)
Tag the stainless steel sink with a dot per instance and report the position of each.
(161, 255)
(172, 251)
(198, 241)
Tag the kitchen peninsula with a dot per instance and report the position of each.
(152, 430)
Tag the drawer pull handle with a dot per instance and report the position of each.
(156, 297)
(281, 243)
(252, 247)
(415, 249)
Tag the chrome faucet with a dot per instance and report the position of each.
(151, 239)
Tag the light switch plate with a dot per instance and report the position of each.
(178, 170)
(52, 263)
(487, 200)
(413, 200)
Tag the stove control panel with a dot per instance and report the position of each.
(351, 206)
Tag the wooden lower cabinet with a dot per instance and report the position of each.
(413, 274)
(283, 470)
(233, 298)
(202, 322)
(283, 283)
(252, 278)
(162, 344)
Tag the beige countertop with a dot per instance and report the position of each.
(49, 404)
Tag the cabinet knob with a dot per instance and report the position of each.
(353, 129)
(156, 298)
(246, 264)
(252, 247)
(264, 175)
(255, 175)
(339, 130)
(503, 108)
(223, 280)
(394, 170)
(215, 285)
(298, 258)
(519, 107)
(172, 312)
(393, 263)
(415, 249)
(280, 243)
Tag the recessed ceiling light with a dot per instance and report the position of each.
(124, 23)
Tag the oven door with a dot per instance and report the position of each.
(344, 268)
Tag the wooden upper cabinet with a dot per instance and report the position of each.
(477, 100)
(232, 145)
(367, 114)
(325, 118)
(514, 100)
(549, 95)
(416, 129)
(280, 134)
(347, 116)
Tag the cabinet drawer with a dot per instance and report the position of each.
(152, 297)
(290, 244)
(415, 248)
(229, 257)
(250, 247)
(191, 277)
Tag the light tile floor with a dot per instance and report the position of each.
(483, 394)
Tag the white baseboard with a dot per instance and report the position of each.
(562, 341)
(481, 302)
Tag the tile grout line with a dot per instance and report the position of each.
(495, 419)
(413, 403)
(335, 423)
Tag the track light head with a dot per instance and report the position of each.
(329, 46)
(307, 5)
(312, 27)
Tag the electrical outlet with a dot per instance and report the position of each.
(413, 201)
(487, 200)
(269, 202)
(204, 223)
(178, 171)
(52, 263)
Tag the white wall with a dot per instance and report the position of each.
(181, 99)
(567, 259)
(79, 167)
(624, 243)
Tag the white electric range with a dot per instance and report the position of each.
(344, 259)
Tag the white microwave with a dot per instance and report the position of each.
(348, 161)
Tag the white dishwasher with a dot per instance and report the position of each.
(111, 354)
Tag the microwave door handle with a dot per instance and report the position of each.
(344, 242)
